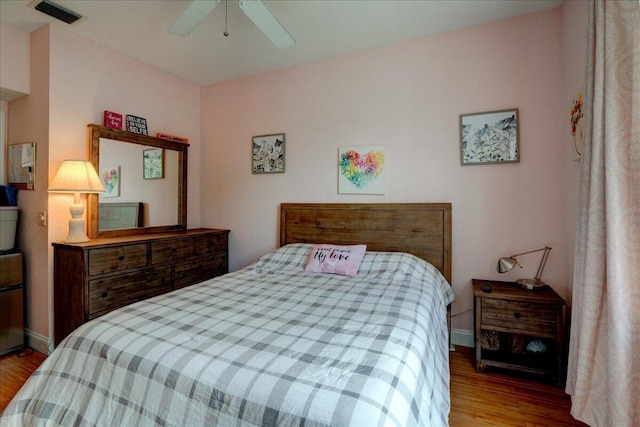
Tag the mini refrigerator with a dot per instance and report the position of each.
(11, 302)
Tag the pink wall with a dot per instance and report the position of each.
(14, 60)
(75, 81)
(407, 96)
(4, 108)
(29, 121)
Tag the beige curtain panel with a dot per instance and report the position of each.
(603, 375)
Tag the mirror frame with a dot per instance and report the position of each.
(95, 133)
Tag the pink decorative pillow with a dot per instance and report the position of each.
(343, 260)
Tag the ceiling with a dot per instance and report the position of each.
(322, 29)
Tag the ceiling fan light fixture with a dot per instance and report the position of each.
(192, 16)
(267, 23)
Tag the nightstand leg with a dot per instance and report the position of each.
(476, 320)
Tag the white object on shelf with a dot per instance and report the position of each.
(8, 223)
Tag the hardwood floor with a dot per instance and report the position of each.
(497, 399)
(14, 371)
(477, 399)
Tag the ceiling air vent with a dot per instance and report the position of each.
(56, 11)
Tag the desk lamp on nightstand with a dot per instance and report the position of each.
(507, 263)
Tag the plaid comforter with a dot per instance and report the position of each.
(268, 345)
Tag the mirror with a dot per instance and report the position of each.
(22, 165)
(145, 181)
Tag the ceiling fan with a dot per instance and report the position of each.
(254, 9)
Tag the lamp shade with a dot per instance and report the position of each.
(76, 176)
(506, 264)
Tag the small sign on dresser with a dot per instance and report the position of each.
(137, 124)
(112, 120)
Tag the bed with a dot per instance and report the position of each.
(272, 344)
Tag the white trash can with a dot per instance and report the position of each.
(8, 224)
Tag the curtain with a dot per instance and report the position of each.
(603, 376)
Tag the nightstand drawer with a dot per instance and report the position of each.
(521, 316)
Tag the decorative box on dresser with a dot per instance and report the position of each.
(93, 278)
(514, 317)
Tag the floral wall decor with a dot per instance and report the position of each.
(153, 163)
(110, 178)
(576, 126)
(489, 137)
(268, 154)
(362, 170)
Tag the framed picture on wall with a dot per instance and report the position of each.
(268, 153)
(362, 169)
(153, 163)
(21, 165)
(490, 137)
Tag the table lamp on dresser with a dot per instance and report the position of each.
(76, 176)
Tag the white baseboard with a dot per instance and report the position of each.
(462, 337)
(38, 342)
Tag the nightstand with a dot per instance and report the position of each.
(519, 329)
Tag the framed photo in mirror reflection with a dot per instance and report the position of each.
(153, 163)
(110, 177)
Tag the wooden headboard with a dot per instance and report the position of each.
(421, 229)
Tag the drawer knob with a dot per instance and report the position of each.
(517, 315)
(104, 294)
(121, 257)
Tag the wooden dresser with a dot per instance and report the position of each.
(93, 278)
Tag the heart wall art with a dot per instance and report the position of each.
(362, 170)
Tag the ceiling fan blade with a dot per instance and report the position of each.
(265, 21)
(192, 16)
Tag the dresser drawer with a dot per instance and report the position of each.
(519, 316)
(211, 243)
(169, 251)
(200, 269)
(107, 260)
(112, 292)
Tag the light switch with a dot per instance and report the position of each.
(42, 218)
